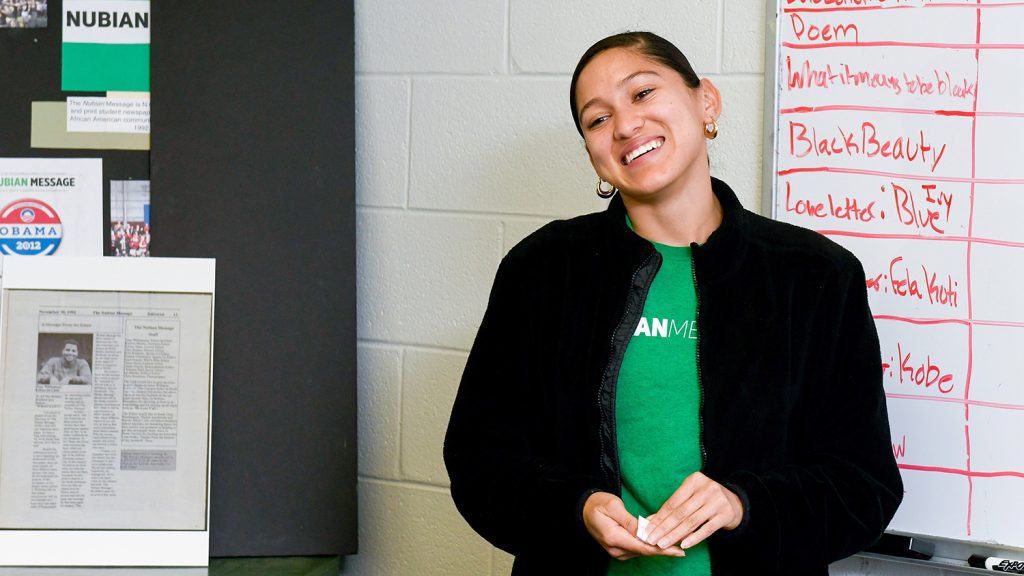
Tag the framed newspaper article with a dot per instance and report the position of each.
(105, 398)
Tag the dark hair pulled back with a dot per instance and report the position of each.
(646, 43)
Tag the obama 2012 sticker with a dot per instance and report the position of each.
(29, 227)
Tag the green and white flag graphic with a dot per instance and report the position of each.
(105, 46)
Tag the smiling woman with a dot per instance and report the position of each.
(622, 370)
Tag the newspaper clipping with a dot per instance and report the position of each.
(105, 414)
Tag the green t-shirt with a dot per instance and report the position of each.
(657, 407)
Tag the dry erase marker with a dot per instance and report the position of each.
(997, 564)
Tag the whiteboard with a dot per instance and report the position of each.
(896, 128)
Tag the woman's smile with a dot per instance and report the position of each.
(641, 150)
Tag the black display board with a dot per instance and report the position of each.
(252, 163)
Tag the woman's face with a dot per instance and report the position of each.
(644, 127)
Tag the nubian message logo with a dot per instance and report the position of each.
(29, 227)
(105, 45)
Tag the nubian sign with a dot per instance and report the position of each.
(106, 45)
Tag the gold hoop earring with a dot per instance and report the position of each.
(603, 192)
(711, 130)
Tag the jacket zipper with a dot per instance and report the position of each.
(700, 385)
(618, 355)
(700, 377)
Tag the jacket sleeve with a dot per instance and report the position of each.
(842, 487)
(499, 480)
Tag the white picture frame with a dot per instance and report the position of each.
(33, 535)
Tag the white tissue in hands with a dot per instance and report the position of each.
(643, 528)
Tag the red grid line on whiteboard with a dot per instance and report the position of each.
(938, 112)
(923, 321)
(928, 321)
(968, 473)
(970, 292)
(879, 7)
(895, 44)
(966, 239)
(811, 109)
(932, 178)
(919, 397)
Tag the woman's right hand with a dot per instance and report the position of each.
(614, 528)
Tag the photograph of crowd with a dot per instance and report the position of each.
(22, 13)
(129, 218)
(129, 239)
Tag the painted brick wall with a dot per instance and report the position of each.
(465, 145)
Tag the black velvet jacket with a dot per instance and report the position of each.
(793, 415)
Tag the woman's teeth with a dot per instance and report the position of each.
(652, 145)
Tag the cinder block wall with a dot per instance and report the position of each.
(464, 146)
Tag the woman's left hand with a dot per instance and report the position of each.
(698, 508)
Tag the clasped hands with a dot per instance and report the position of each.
(698, 508)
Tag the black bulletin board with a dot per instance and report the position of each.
(252, 163)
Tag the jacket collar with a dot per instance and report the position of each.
(719, 256)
